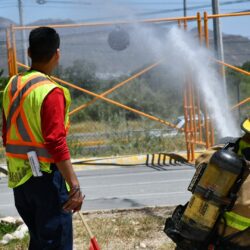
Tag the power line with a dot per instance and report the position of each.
(71, 2)
(192, 7)
(88, 3)
(42, 2)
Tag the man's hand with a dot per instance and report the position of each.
(75, 200)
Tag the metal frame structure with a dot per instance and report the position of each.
(198, 132)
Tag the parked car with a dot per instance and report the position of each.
(179, 123)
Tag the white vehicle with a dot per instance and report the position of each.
(179, 123)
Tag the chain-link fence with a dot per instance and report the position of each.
(142, 94)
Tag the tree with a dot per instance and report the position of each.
(82, 74)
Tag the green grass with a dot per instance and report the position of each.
(7, 228)
(14, 244)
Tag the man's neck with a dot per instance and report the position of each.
(46, 69)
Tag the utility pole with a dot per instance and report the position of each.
(185, 8)
(23, 36)
(218, 42)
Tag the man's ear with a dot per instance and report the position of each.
(29, 54)
(58, 54)
(55, 58)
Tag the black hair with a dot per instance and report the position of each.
(43, 44)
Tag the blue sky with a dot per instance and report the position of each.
(97, 10)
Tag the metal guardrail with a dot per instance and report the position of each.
(166, 159)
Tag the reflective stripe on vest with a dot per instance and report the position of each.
(24, 134)
(13, 86)
(21, 149)
(237, 221)
(21, 129)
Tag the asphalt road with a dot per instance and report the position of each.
(109, 187)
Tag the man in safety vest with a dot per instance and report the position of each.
(35, 123)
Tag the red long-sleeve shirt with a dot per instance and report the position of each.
(53, 129)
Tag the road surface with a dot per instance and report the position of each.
(115, 187)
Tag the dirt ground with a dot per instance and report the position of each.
(124, 229)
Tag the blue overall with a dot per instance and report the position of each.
(39, 202)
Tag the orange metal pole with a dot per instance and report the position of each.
(190, 18)
(199, 114)
(206, 32)
(199, 26)
(233, 67)
(191, 118)
(8, 51)
(115, 87)
(229, 14)
(179, 23)
(193, 109)
(185, 24)
(212, 133)
(14, 50)
(241, 103)
(117, 103)
(153, 20)
(111, 101)
(186, 127)
(206, 127)
(12, 68)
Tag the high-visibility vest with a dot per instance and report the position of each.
(22, 102)
(238, 219)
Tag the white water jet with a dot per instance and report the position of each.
(183, 55)
(197, 61)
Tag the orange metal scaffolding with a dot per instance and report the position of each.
(198, 127)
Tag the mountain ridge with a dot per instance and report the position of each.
(90, 44)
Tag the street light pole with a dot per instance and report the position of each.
(218, 43)
(23, 36)
(185, 7)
